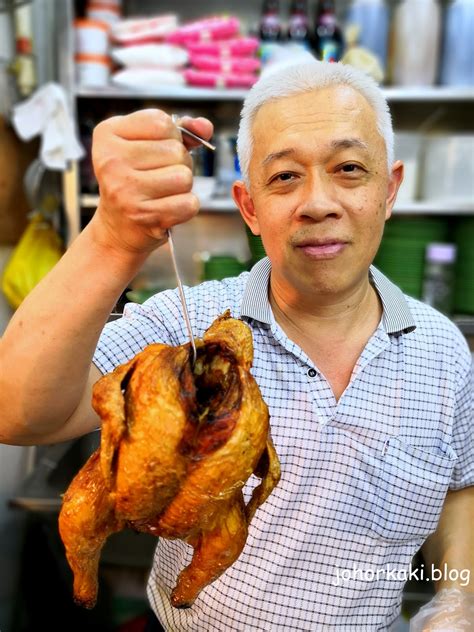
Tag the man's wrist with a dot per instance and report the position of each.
(104, 245)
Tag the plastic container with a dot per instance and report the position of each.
(448, 168)
(407, 149)
(92, 70)
(92, 37)
(109, 3)
(416, 42)
(203, 187)
(372, 18)
(402, 253)
(464, 287)
(457, 65)
(219, 267)
(438, 280)
(104, 13)
(6, 38)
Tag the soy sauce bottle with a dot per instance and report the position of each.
(270, 23)
(328, 42)
(298, 23)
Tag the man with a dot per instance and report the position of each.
(369, 391)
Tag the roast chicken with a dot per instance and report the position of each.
(178, 444)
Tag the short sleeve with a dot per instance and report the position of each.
(463, 429)
(160, 319)
(155, 321)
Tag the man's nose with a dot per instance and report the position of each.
(319, 198)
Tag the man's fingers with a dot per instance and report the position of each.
(154, 124)
(169, 211)
(153, 154)
(160, 183)
(145, 175)
(151, 124)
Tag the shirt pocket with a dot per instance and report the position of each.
(412, 488)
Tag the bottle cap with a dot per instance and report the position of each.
(441, 253)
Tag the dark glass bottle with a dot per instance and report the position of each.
(270, 22)
(298, 23)
(328, 41)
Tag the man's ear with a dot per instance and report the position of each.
(243, 200)
(395, 180)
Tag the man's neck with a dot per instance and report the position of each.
(332, 331)
(326, 318)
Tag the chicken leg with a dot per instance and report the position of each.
(214, 552)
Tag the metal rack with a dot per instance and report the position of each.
(227, 205)
(429, 94)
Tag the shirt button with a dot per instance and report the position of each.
(311, 372)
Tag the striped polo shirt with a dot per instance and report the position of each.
(363, 478)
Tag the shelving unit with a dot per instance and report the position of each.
(226, 205)
(437, 97)
(420, 109)
(173, 93)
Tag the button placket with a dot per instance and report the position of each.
(321, 394)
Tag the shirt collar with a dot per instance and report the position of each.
(396, 318)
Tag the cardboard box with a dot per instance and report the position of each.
(15, 156)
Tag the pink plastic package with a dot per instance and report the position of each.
(142, 31)
(212, 79)
(225, 64)
(209, 29)
(238, 47)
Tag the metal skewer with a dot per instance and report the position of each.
(204, 142)
(173, 254)
(183, 130)
(181, 295)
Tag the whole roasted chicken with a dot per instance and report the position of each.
(178, 444)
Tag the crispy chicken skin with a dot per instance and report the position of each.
(178, 444)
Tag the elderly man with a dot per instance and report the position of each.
(369, 390)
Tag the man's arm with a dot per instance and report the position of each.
(145, 179)
(452, 544)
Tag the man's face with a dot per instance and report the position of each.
(320, 191)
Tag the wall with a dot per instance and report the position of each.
(13, 467)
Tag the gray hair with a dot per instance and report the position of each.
(289, 80)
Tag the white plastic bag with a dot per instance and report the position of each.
(451, 610)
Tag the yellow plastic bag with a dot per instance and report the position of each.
(38, 250)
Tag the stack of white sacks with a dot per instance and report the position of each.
(155, 52)
(147, 60)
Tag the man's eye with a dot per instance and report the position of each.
(282, 177)
(351, 168)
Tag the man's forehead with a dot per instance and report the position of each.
(334, 115)
(338, 100)
(334, 145)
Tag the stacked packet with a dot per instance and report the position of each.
(146, 59)
(218, 55)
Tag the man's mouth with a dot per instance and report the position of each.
(322, 248)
